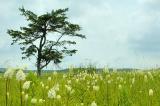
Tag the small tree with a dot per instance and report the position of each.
(34, 39)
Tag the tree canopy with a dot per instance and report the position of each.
(34, 41)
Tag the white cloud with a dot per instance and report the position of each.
(112, 28)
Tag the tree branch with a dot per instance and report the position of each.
(55, 43)
(47, 62)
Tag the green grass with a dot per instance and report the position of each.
(115, 89)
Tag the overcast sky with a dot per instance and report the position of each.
(120, 33)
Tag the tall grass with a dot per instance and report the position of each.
(83, 88)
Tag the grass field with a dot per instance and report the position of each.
(136, 88)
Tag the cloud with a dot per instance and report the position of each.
(116, 30)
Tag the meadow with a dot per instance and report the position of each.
(80, 88)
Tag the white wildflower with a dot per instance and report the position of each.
(26, 85)
(9, 73)
(20, 76)
(35, 74)
(96, 88)
(56, 87)
(68, 88)
(133, 80)
(101, 78)
(82, 104)
(119, 86)
(49, 78)
(106, 70)
(23, 93)
(114, 70)
(64, 76)
(93, 103)
(77, 80)
(145, 78)
(69, 82)
(42, 84)
(26, 97)
(121, 79)
(72, 91)
(150, 92)
(33, 100)
(58, 97)
(8, 94)
(109, 81)
(52, 93)
(47, 87)
(40, 100)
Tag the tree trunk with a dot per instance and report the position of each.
(41, 44)
(38, 67)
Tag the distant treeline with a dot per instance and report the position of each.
(88, 69)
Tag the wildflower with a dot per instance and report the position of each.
(82, 104)
(51, 93)
(35, 74)
(40, 100)
(9, 73)
(33, 100)
(109, 81)
(68, 88)
(114, 70)
(55, 73)
(150, 75)
(101, 78)
(96, 88)
(93, 103)
(8, 94)
(95, 81)
(106, 70)
(42, 84)
(58, 97)
(64, 76)
(133, 80)
(23, 93)
(77, 80)
(107, 76)
(56, 87)
(120, 86)
(72, 91)
(47, 87)
(71, 69)
(20, 76)
(26, 97)
(69, 82)
(145, 78)
(26, 85)
(150, 92)
(49, 78)
(88, 82)
(121, 79)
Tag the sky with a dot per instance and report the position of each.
(120, 33)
